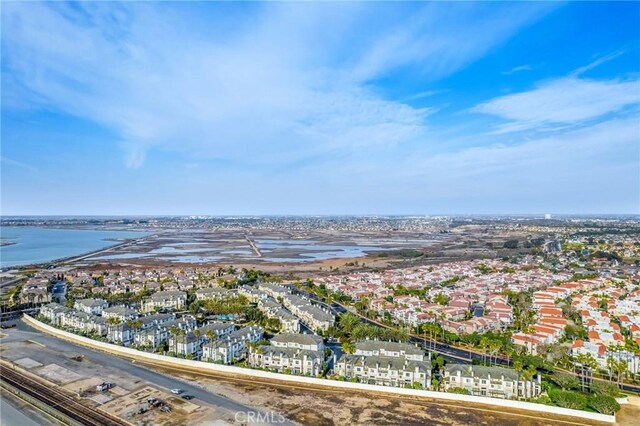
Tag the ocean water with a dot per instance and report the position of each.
(38, 245)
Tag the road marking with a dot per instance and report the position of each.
(37, 343)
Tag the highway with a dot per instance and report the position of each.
(24, 332)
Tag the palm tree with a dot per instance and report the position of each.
(484, 344)
(620, 367)
(494, 347)
(611, 362)
(348, 347)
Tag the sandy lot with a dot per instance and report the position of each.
(312, 407)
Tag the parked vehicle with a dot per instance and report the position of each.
(104, 386)
(176, 391)
(187, 397)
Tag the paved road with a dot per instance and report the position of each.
(11, 415)
(24, 332)
(448, 352)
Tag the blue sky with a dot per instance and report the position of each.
(320, 108)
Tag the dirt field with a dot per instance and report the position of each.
(313, 407)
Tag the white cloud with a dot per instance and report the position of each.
(10, 162)
(519, 68)
(563, 101)
(597, 63)
(593, 169)
(261, 87)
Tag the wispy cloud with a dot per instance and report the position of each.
(10, 162)
(562, 101)
(267, 91)
(599, 61)
(519, 68)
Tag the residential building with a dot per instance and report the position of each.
(495, 382)
(120, 312)
(233, 347)
(170, 300)
(91, 306)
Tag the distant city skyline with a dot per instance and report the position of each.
(320, 108)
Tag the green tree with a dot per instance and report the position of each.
(600, 387)
(566, 381)
(568, 399)
(348, 347)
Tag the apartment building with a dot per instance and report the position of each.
(171, 300)
(386, 364)
(495, 382)
(232, 347)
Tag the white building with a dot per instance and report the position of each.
(495, 382)
(233, 347)
(172, 300)
(91, 306)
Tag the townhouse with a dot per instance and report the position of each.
(120, 312)
(272, 309)
(386, 364)
(53, 312)
(314, 317)
(91, 306)
(170, 300)
(233, 347)
(187, 344)
(290, 352)
(215, 293)
(495, 382)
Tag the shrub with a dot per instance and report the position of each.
(461, 391)
(604, 388)
(604, 404)
(566, 381)
(543, 399)
(568, 399)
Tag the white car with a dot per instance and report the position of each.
(176, 391)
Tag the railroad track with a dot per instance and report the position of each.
(65, 404)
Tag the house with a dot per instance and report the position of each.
(272, 309)
(217, 330)
(53, 312)
(232, 347)
(386, 364)
(91, 306)
(285, 359)
(120, 333)
(314, 317)
(389, 349)
(253, 294)
(309, 342)
(529, 341)
(156, 320)
(215, 293)
(84, 322)
(495, 382)
(151, 336)
(120, 312)
(187, 344)
(35, 293)
(385, 370)
(171, 300)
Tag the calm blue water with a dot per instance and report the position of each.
(37, 245)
